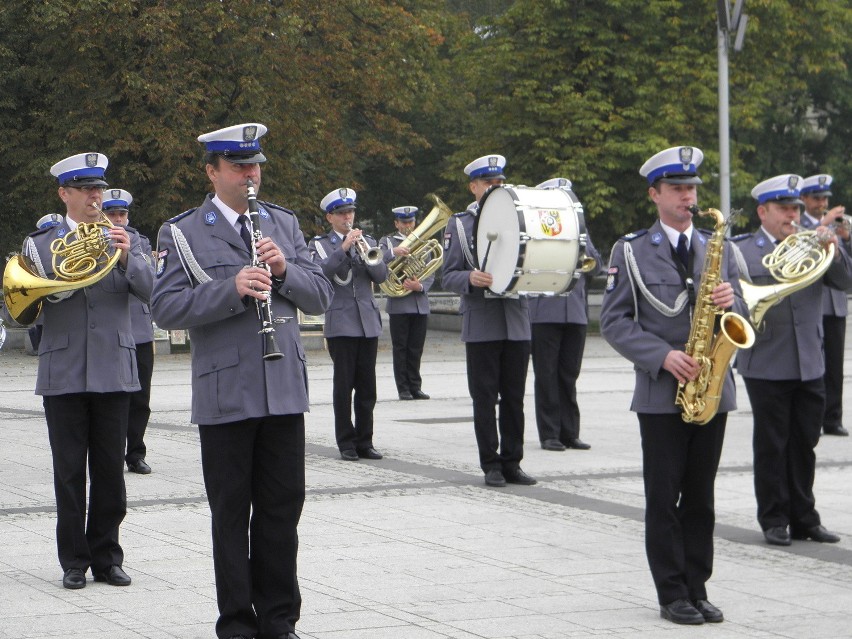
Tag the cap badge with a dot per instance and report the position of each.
(249, 133)
(686, 155)
(115, 193)
(823, 179)
(343, 192)
(792, 181)
(492, 161)
(91, 160)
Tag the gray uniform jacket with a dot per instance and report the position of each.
(484, 319)
(833, 300)
(230, 379)
(354, 311)
(87, 344)
(789, 346)
(572, 308)
(638, 329)
(415, 302)
(140, 312)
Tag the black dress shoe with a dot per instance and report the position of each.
(369, 453)
(74, 579)
(419, 394)
(114, 576)
(348, 454)
(517, 476)
(406, 395)
(494, 477)
(817, 533)
(577, 444)
(552, 444)
(710, 612)
(139, 467)
(777, 536)
(681, 611)
(835, 430)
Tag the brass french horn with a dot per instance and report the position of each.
(79, 259)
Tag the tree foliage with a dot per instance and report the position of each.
(394, 97)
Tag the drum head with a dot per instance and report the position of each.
(497, 232)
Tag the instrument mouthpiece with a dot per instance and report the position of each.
(694, 209)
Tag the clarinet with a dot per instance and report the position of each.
(264, 308)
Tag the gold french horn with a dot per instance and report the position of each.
(80, 259)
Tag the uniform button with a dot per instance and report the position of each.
(92, 325)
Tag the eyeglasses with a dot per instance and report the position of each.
(87, 189)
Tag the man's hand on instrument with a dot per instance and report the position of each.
(480, 278)
(400, 250)
(268, 252)
(253, 281)
(120, 240)
(682, 366)
(723, 295)
(412, 284)
(350, 239)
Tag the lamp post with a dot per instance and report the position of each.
(727, 22)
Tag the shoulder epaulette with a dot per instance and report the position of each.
(632, 236)
(320, 237)
(707, 232)
(460, 213)
(39, 231)
(270, 205)
(370, 236)
(741, 237)
(182, 215)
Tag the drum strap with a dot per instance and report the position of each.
(637, 283)
(468, 256)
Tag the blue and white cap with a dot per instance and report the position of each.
(116, 199)
(51, 219)
(676, 165)
(817, 185)
(405, 212)
(83, 169)
(488, 167)
(781, 188)
(556, 183)
(339, 201)
(238, 144)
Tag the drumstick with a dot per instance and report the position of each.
(491, 237)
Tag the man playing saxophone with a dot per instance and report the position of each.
(407, 315)
(652, 280)
(783, 372)
(87, 371)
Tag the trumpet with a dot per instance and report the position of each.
(371, 255)
(842, 222)
(264, 307)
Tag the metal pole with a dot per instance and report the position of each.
(724, 130)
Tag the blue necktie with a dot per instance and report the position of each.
(244, 232)
(682, 250)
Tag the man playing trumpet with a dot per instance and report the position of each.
(816, 190)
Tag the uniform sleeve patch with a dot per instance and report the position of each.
(161, 261)
(447, 237)
(611, 278)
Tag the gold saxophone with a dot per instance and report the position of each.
(699, 399)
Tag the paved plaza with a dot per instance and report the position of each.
(415, 546)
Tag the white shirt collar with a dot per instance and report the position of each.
(230, 214)
(674, 235)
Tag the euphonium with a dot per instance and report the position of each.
(425, 253)
(796, 263)
(699, 399)
(371, 255)
(80, 259)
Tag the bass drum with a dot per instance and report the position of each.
(530, 240)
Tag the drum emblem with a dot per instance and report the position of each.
(551, 225)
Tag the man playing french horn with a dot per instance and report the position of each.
(87, 368)
(783, 372)
(653, 279)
